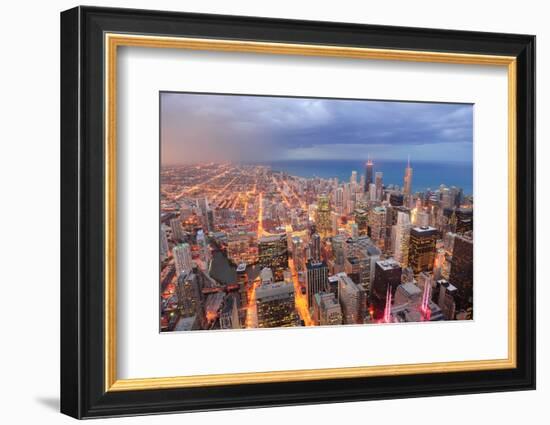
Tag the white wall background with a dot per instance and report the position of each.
(29, 213)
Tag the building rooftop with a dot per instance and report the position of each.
(311, 264)
(411, 289)
(274, 291)
(388, 264)
(272, 238)
(266, 274)
(424, 229)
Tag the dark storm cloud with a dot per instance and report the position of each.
(198, 127)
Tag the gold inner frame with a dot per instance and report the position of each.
(113, 41)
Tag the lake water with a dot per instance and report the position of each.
(425, 174)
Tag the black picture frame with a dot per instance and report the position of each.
(83, 392)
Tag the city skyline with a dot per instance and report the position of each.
(247, 245)
(252, 128)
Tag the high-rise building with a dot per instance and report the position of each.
(316, 279)
(339, 200)
(422, 248)
(401, 240)
(361, 217)
(334, 222)
(326, 309)
(210, 220)
(275, 305)
(353, 179)
(177, 231)
(407, 180)
(464, 220)
(353, 300)
(189, 296)
(332, 285)
(322, 219)
(359, 270)
(229, 314)
(242, 281)
(182, 258)
(316, 247)
(387, 273)
(408, 293)
(338, 243)
(462, 271)
(379, 185)
(368, 175)
(425, 278)
(378, 227)
(298, 253)
(446, 298)
(163, 242)
(203, 244)
(273, 253)
(372, 192)
(239, 247)
(396, 199)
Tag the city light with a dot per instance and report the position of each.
(215, 217)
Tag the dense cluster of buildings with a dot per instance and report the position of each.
(243, 246)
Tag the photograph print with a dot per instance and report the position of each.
(295, 212)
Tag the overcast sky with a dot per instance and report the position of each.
(200, 127)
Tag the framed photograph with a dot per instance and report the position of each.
(261, 212)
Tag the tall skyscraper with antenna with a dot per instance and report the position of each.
(368, 174)
(407, 181)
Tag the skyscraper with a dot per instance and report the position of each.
(462, 272)
(379, 185)
(273, 253)
(275, 305)
(401, 239)
(326, 309)
(229, 315)
(242, 281)
(396, 199)
(387, 273)
(446, 298)
(316, 279)
(353, 179)
(177, 231)
(339, 200)
(378, 227)
(316, 247)
(163, 241)
(359, 270)
(362, 219)
(422, 248)
(464, 220)
(372, 192)
(353, 300)
(407, 180)
(203, 244)
(368, 175)
(322, 219)
(182, 258)
(188, 294)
